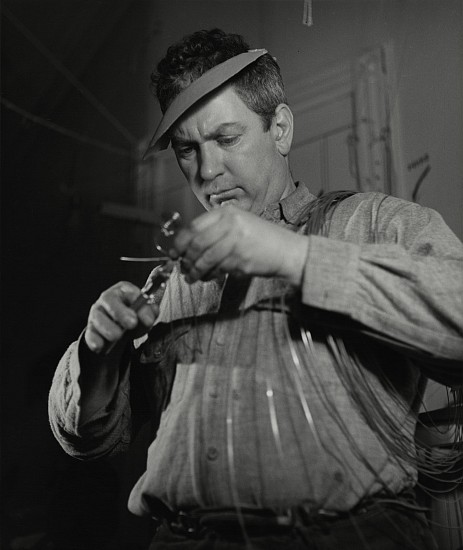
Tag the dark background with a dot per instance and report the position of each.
(58, 250)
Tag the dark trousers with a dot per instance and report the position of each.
(379, 528)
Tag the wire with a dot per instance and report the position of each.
(64, 131)
(69, 76)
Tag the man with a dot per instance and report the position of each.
(286, 358)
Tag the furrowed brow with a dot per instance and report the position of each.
(224, 128)
(179, 141)
(227, 127)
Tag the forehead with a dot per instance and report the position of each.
(223, 108)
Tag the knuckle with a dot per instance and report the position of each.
(93, 341)
(103, 295)
(89, 331)
(128, 321)
(125, 287)
(196, 245)
(208, 258)
(146, 316)
(92, 311)
(246, 268)
(112, 333)
(182, 238)
(195, 224)
(110, 309)
(102, 326)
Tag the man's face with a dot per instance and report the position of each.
(226, 156)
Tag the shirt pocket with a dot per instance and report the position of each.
(157, 361)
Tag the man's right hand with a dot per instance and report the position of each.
(111, 317)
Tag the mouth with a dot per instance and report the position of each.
(223, 198)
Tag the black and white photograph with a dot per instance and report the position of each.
(231, 275)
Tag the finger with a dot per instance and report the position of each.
(204, 240)
(147, 315)
(100, 330)
(219, 258)
(207, 219)
(215, 274)
(128, 292)
(115, 302)
(94, 341)
(182, 241)
(106, 327)
(202, 224)
(200, 244)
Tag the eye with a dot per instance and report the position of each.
(184, 151)
(228, 141)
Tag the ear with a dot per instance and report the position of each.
(282, 128)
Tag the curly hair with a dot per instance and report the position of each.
(259, 85)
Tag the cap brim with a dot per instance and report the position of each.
(205, 84)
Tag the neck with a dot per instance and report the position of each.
(290, 186)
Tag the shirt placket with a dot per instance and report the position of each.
(215, 457)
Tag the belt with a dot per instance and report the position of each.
(255, 521)
(232, 522)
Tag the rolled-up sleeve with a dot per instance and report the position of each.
(406, 288)
(106, 432)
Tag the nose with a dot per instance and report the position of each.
(210, 162)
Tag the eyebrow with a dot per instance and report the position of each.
(220, 130)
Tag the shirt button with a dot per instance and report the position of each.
(157, 352)
(338, 477)
(220, 340)
(212, 453)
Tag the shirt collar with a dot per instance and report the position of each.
(291, 207)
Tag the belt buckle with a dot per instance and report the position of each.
(184, 524)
